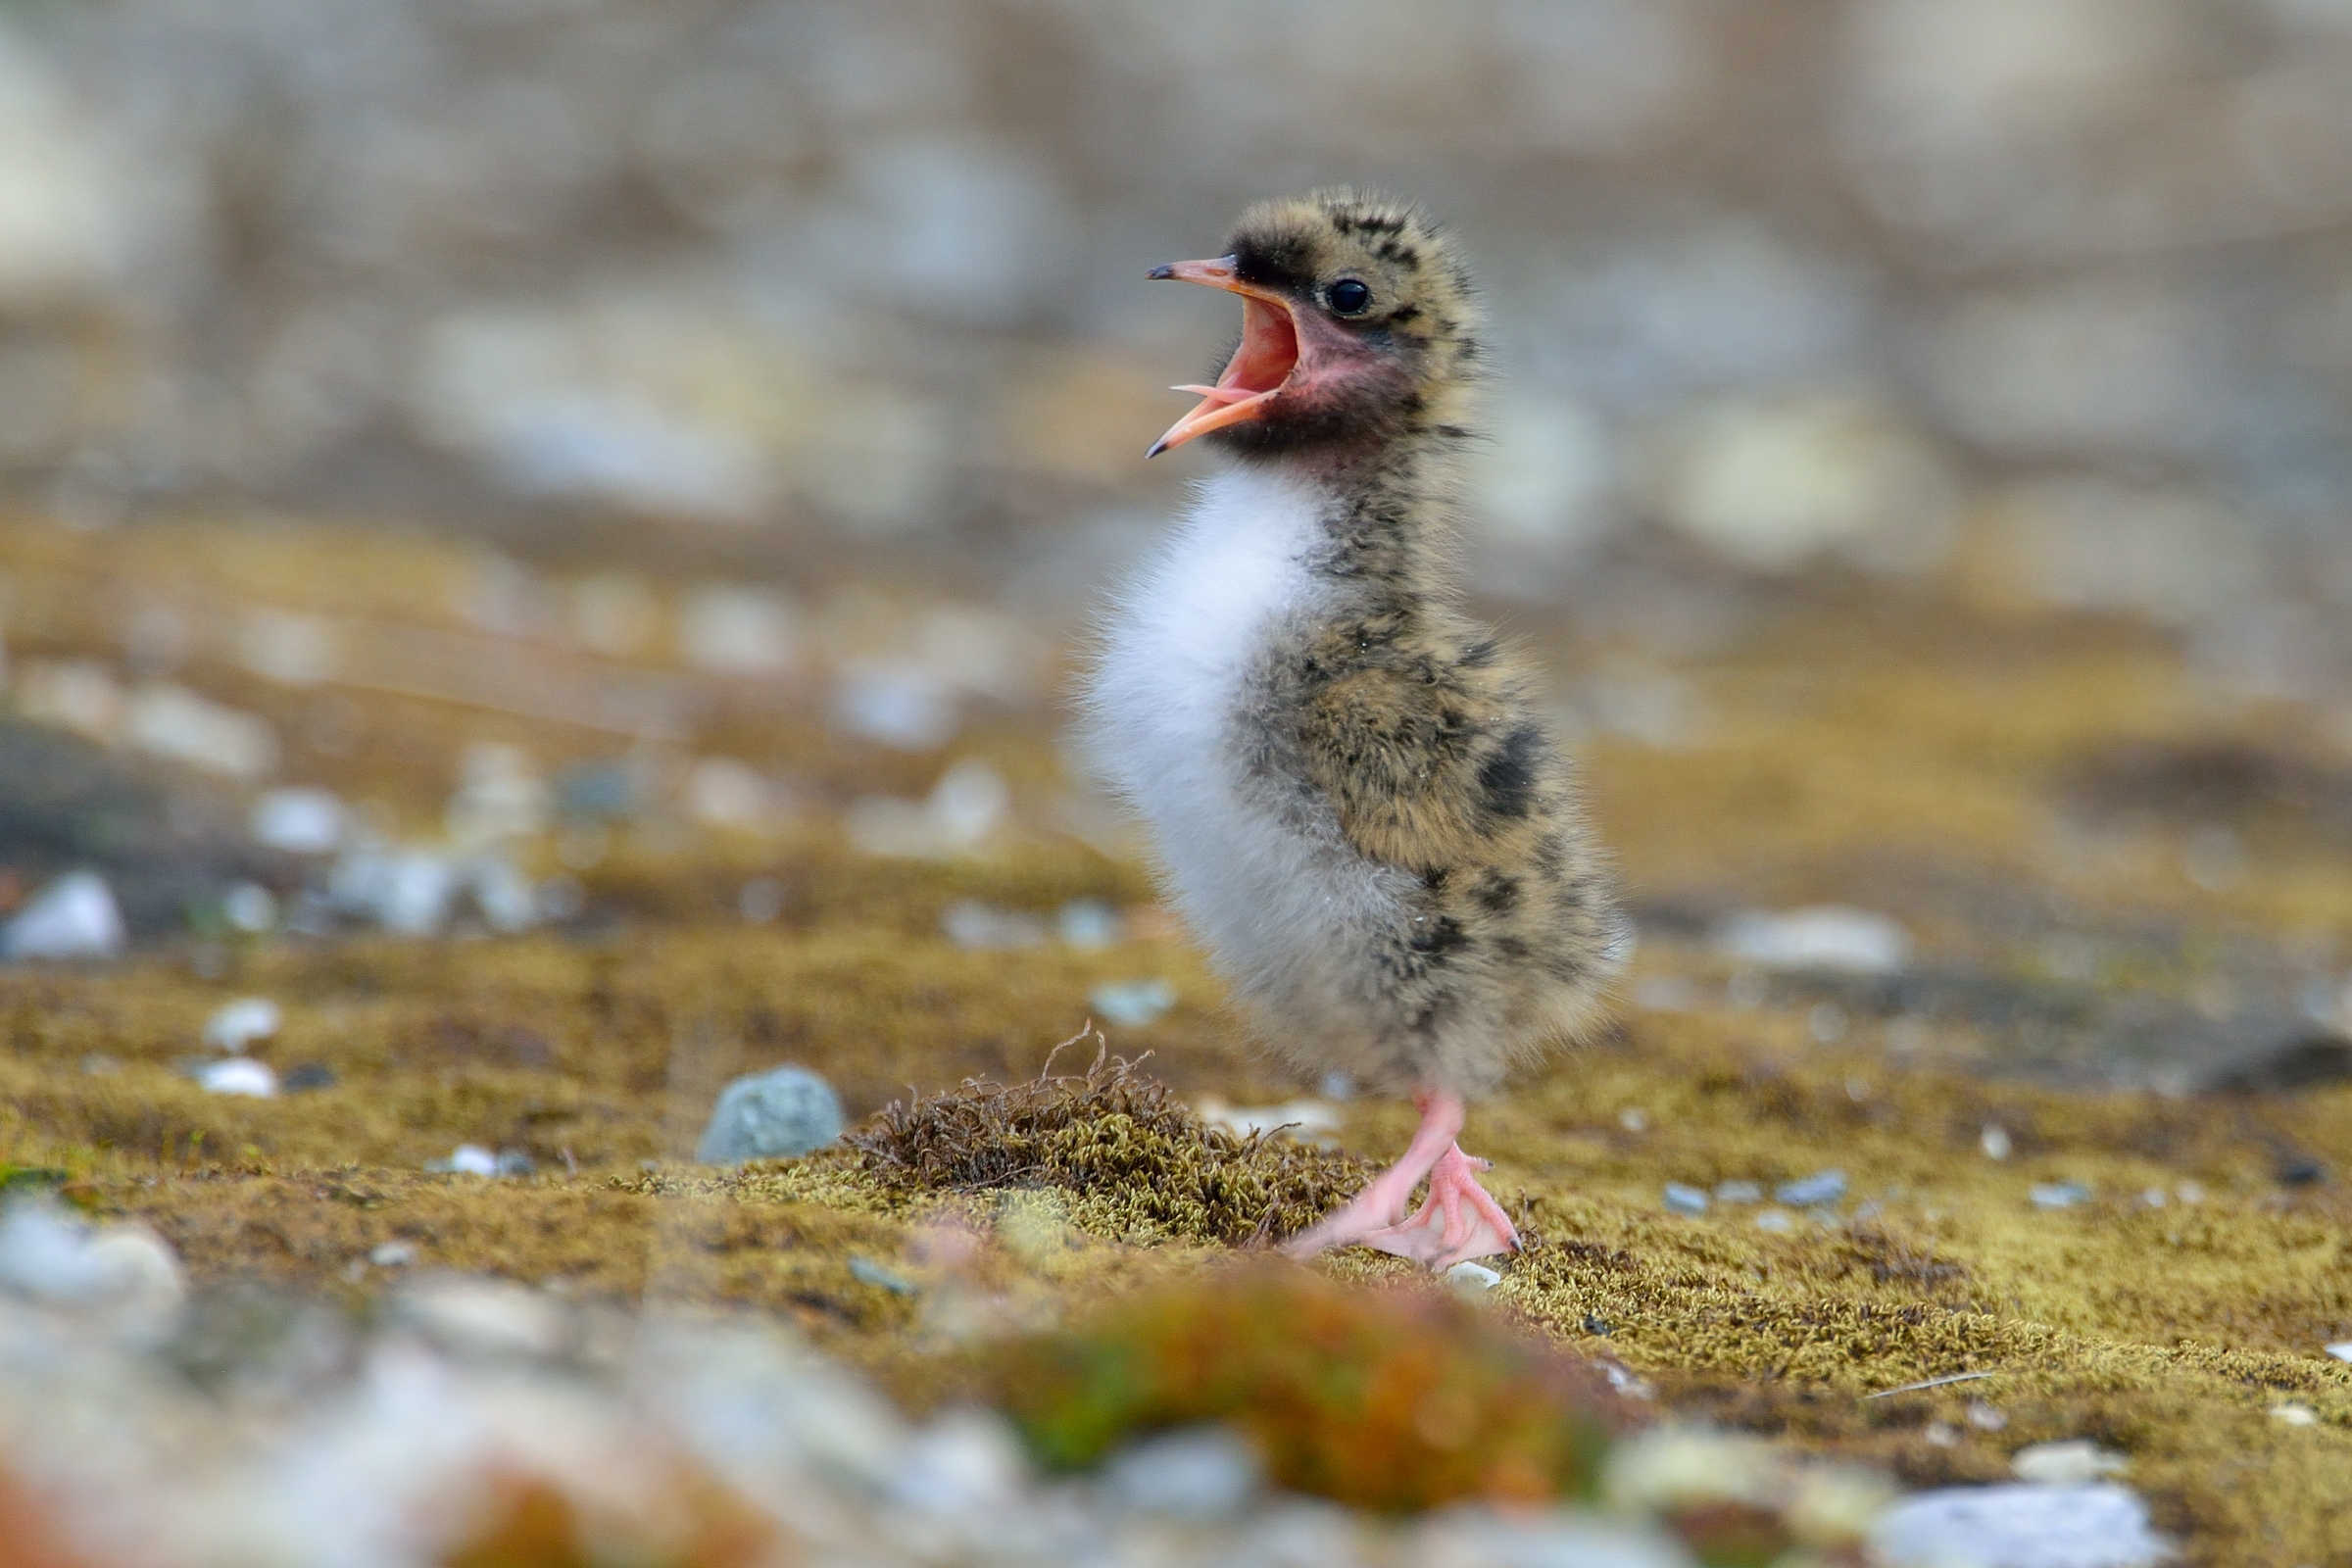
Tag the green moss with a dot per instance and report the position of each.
(1903, 754)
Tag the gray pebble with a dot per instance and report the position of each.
(2060, 1195)
(1198, 1473)
(2098, 1526)
(770, 1116)
(1684, 1199)
(866, 1271)
(1822, 1186)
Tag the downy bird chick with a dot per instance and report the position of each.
(1351, 800)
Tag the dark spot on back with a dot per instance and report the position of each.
(1497, 892)
(1479, 655)
(1507, 779)
(1440, 937)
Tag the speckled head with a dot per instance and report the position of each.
(1358, 329)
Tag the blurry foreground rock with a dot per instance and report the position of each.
(473, 1423)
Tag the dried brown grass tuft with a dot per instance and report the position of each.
(1116, 1137)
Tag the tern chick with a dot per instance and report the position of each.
(1351, 800)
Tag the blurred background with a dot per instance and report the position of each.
(446, 440)
(543, 545)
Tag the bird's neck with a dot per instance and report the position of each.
(1388, 515)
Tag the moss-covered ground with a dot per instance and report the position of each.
(2023, 791)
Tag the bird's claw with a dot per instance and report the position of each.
(1456, 1222)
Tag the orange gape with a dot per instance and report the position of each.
(1260, 368)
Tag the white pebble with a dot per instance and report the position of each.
(74, 916)
(238, 1075)
(1828, 936)
(1197, 1473)
(2072, 1462)
(2101, 1526)
(466, 1159)
(1472, 1278)
(237, 1024)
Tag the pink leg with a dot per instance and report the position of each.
(1457, 1221)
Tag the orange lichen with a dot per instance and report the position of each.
(1395, 1399)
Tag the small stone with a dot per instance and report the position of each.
(299, 820)
(2302, 1170)
(1305, 1117)
(1822, 1186)
(1132, 1003)
(1627, 1382)
(1472, 1279)
(964, 1463)
(1088, 924)
(987, 928)
(1739, 1192)
(1777, 1221)
(238, 1075)
(901, 705)
(866, 1271)
(515, 1162)
(1634, 1121)
(250, 908)
(2022, 1525)
(2072, 1462)
(1828, 937)
(1685, 1199)
(486, 1318)
(466, 1159)
(310, 1076)
(237, 1024)
(2060, 1195)
(393, 1254)
(2295, 1415)
(1486, 1537)
(46, 1255)
(1196, 1473)
(2341, 1350)
(1996, 1142)
(761, 900)
(74, 916)
(780, 1115)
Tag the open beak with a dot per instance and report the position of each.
(1260, 367)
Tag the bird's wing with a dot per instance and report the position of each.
(1429, 767)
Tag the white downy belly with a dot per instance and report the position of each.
(1269, 894)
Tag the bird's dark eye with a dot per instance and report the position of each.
(1348, 297)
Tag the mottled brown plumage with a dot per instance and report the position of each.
(1352, 794)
